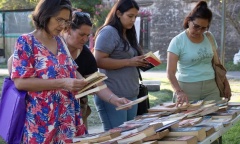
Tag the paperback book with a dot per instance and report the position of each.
(152, 59)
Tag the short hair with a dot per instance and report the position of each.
(79, 19)
(113, 20)
(46, 9)
(201, 10)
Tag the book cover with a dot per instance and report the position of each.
(132, 103)
(92, 80)
(178, 140)
(157, 136)
(152, 59)
(199, 132)
(90, 91)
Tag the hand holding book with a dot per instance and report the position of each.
(131, 103)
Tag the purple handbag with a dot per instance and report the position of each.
(12, 112)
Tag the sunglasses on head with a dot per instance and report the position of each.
(82, 14)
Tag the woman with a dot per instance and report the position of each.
(190, 54)
(117, 55)
(42, 67)
(76, 37)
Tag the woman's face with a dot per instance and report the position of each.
(77, 38)
(59, 22)
(128, 18)
(197, 27)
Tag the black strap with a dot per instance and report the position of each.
(139, 74)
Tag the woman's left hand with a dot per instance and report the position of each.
(122, 101)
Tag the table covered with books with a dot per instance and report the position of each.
(200, 122)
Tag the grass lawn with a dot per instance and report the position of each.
(165, 94)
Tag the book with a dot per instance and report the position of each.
(208, 110)
(97, 137)
(131, 137)
(159, 108)
(131, 103)
(178, 140)
(208, 129)
(90, 91)
(128, 127)
(152, 59)
(150, 142)
(92, 80)
(207, 121)
(234, 103)
(189, 122)
(149, 131)
(150, 115)
(199, 132)
(157, 136)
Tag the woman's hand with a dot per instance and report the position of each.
(181, 98)
(121, 101)
(74, 85)
(138, 61)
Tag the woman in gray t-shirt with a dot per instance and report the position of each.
(117, 54)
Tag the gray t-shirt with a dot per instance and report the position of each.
(124, 81)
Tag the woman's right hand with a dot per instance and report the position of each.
(181, 98)
(138, 61)
(74, 85)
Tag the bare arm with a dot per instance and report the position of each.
(9, 64)
(37, 84)
(105, 62)
(108, 96)
(172, 60)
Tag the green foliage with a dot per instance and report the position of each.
(17, 4)
(100, 15)
(232, 136)
(232, 67)
(86, 5)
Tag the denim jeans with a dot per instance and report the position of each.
(110, 117)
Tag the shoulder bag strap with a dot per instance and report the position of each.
(139, 74)
(215, 56)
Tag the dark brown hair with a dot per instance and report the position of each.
(114, 21)
(46, 9)
(201, 10)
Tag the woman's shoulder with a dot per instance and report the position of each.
(25, 38)
(180, 37)
(109, 30)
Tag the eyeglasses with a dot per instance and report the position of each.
(198, 27)
(63, 22)
(82, 14)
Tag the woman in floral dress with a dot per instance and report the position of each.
(42, 67)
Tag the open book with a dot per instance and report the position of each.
(89, 91)
(152, 59)
(92, 80)
(132, 103)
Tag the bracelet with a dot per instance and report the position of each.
(109, 99)
(178, 91)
